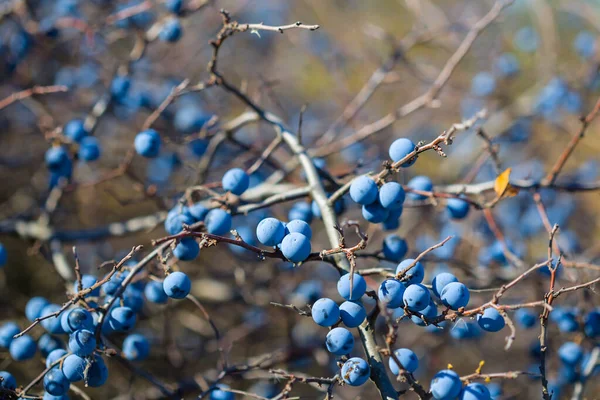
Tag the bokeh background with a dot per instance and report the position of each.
(533, 114)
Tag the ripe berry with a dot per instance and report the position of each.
(76, 319)
(446, 385)
(413, 275)
(359, 287)
(8, 381)
(356, 371)
(75, 130)
(87, 281)
(54, 356)
(363, 190)
(98, 373)
(352, 314)
(391, 293)
(375, 213)
(570, 353)
(122, 319)
(525, 318)
(440, 281)
(416, 297)
(175, 220)
(177, 285)
(457, 208)
(147, 143)
(73, 367)
(48, 343)
(55, 382)
(301, 211)
(339, 341)
(218, 394)
(52, 324)
(82, 342)
(89, 149)
(483, 84)
(400, 148)
(136, 347)
(394, 247)
(407, 358)
(428, 312)
(270, 231)
(491, 320)
(187, 249)
(218, 221)
(236, 181)
(325, 312)
(296, 247)
(391, 196)
(298, 226)
(171, 31)
(7, 331)
(455, 295)
(475, 391)
(22, 348)
(422, 183)
(155, 293)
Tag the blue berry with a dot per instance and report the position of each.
(407, 358)
(592, 323)
(3, 255)
(375, 213)
(155, 293)
(89, 149)
(296, 247)
(48, 343)
(198, 212)
(359, 287)
(218, 221)
(394, 247)
(299, 226)
(391, 196)
(455, 295)
(87, 281)
(391, 293)
(507, 65)
(585, 44)
(52, 324)
(8, 381)
(416, 297)
(22, 348)
(187, 249)
(236, 181)
(136, 347)
(356, 371)
(339, 341)
(526, 318)
(413, 275)
(491, 320)
(400, 148)
(363, 190)
(177, 285)
(98, 373)
(392, 222)
(54, 356)
(75, 130)
(171, 31)
(475, 391)
(428, 312)
(82, 342)
(48, 396)
(55, 382)
(570, 353)
(175, 221)
(73, 367)
(446, 385)
(483, 84)
(422, 183)
(440, 281)
(457, 208)
(352, 314)
(270, 231)
(75, 319)
(133, 298)
(219, 394)
(301, 211)
(526, 39)
(119, 87)
(7, 331)
(147, 143)
(174, 6)
(325, 312)
(190, 119)
(122, 319)
(57, 158)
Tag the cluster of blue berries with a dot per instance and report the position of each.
(292, 238)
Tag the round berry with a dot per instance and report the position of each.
(457, 208)
(421, 183)
(491, 320)
(155, 293)
(440, 281)
(483, 84)
(122, 319)
(592, 323)
(136, 347)
(48, 343)
(401, 148)
(446, 385)
(413, 275)
(73, 367)
(236, 181)
(394, 247)
(363, 190)
(296, 247)
(301, 211)
(22, 348)
(119, 87)
(57, 158)
(147, 143)
(89, 149)
(270, 231)
(391, 196)
(75, 319)
(8, 381)
(54, 356)
(87, 281)
(34, 307)
(218, 221)
(375, 213)
(570, 353)
(298, 226)
(177, 285)
(352, 314)
(98, 373)
(171, 31)
(416, 297)
(55, 382)
(52, 324)
(525, 318)
(339, 341)
(455, 295)
(82, 342)
(175, 220)
(391, 293)
(428, 312)
(325, 312)
(220, 394)
(359, 287)
(408, 359)
(7, 332)
(187, 249)
(356, 371)
(475, 391)
(75, 130)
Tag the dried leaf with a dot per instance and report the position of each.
(502, 185)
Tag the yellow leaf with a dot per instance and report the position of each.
(502, 185)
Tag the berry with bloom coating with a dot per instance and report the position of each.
(325, 312)
(155, 293)
(570, 353)
(356, 371)
(7, 331)
(236, 181)
(394, 247)
(359, 287)
(475, 391)
(491, 320)
(147, 143)
(391, 293)
(82, 342)
(375, 213)
(48, 343)
(416, 297)
(270, 231)
(363, 190)
(422, 183)
(75, 130)
(455, 295)
(440, 281)
(352, 314)
(89, 149)
(218, 221)
(52, 324)
(413, 275)
(122, 319)
(22, 348)
(457, 208)
(136, 347)
(407, 358)
(98, 373)
(73, 367)
(177, 285)
(526, 318)
(400, 148)
(34, 307)
(446, 385)
(54, 356)
(187, 249)
(55, 382)
(171, 31)
(339, 341)
(391, 196)
(221, 394)
(302, 211)
(8, 381)
(75, 319)
(299, 226)
(296, 247)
